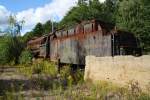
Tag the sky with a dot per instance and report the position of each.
(34, 11)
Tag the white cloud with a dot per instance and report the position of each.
(55, 10)
(101, 0)
(4, 15)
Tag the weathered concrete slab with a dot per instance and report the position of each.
(120, 69)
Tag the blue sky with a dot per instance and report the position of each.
(19, 5)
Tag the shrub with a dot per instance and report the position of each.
(79, 76)
(65, 72)
(37, 69)
(26, 57)
(45, 67)
(71, 76)
(10, 49)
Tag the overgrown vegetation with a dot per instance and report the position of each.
(44, 79)
(26, 57)
(133, 15)
(39, 67)
(130, 15)
(10, 49)
(87, 91)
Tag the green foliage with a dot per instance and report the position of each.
(38, 30)
(26, 57)
(133, 15)
(92, 9)
(28, 36)
(46, 67)
(48, 26)
(39, 67)
(101, 91)
(10, 49)
(65, 72)
(78, 76)
(72, 77)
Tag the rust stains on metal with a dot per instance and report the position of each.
(94, 37)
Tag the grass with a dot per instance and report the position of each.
(39, 67)
(87, 91)
(70, 86)
(101, 91)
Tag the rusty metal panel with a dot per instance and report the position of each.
(87, 38)
(71, 31)
(66, 51)
(53, 50)
(42, 50)
(88, 28)
(58, 33)
(99, 45)
(74, 48)
(81, 52)
(79, 29)
(65, 33)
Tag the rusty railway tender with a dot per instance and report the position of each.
(71, 45)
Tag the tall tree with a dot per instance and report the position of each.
(38, 30)
(15, 26)
(133, 15)
(10, 49)
(47, 27)
(110, 7)
(90, 9)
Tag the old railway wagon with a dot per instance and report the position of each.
(72, 45)
(37, 45)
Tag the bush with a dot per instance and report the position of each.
(45, 67)
(65, 72)
(26, 57)
(10, 49)
(72, 77)
(79, 76)
(39, 67)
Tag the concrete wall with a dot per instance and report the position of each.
(120, 69)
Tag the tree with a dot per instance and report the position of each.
(15, 26)
(28, 36)
(133, 15)
(47, 27)
(38, 30)
(10, 49)
(82, 2)
(95, 10)
(110, 7)
(90, 9)
(26, 57)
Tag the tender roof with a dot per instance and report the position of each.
(36, 39)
